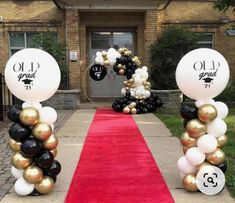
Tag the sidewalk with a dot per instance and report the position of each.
(165, 149)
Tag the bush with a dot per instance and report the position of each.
(228, 94)
(166, 52)
(50, 44)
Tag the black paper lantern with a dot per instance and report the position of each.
(98, 72)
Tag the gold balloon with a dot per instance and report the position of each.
(120, 50)
(126, 110)
(14, 146)
(222, 140)
(125, 83)
(189, 183)
(133, 104)
(104, 55)
(33, 174)
(120, 66)
(106, 63)
(188, 141)
(50, 143)
(133, 111)
(45, 186)
(42, 131)
(217, 157)
(19, 161)
(121, 71)
(131, 80)
(127, 88)
(54, 152)
(204, 164)
(195, 128)
(207, 113)
(29, 116)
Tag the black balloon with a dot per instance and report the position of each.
(185, 123)
(223, 166)
(159, 103)
(188, 112)
(44, 159)
(34, 193)
(98, 72)
(19, 132)
(31, 147)
(14, 113)
(54, 178)
(53, 170)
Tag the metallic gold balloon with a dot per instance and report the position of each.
(19, 161)
(207, 113)
(195, 128)
(125, 83)
(222, 140)
(133, 111)
(50, 143)
(120, 66)
(42, 131)
(121, 71)
(189, 183)
(127, 88)
(188, 141)
(54, 152)
(45, 186)
(201, 166)
(133, 104)
(29, 116)
(106, 63)
(217, 157)
(126, 110)
(14, 146)
(120, 50)
(104, 55)
(131, 81)
(33, 174)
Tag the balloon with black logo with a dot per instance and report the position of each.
(14, 113)
(53, 170)
(98, 72)
(19, 132)
(223, 166)
(188, 112)
(44, 159)
(31, 147)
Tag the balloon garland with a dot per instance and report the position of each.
(205, 128)
(137, 89)
(32, 141)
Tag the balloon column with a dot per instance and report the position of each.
(28, 76)
(137, 95)
(201, 75)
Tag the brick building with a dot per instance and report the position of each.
(88, 26)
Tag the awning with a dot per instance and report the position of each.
(107, 4)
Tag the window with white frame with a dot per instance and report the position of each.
(21, 40)
(206, 40)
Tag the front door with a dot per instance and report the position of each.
(112, 84)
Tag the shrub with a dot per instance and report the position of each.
(228, 94)
(166, 52)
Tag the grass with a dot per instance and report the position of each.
(175, 123)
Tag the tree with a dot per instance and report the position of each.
(224, 5)
(50, 44)
(166, 52)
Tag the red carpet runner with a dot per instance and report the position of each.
(116, 165)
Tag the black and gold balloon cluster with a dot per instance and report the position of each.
(202, 142)
(34, 148)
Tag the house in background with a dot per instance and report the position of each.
(87, 26)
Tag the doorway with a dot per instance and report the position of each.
(100, 40)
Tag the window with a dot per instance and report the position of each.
(206, 40)
(21, 40)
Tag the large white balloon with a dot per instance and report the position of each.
(207, 143)
(17, 173)
(202, 74)
(194, 156)
(32, 75)
(222, 109)
(184, 166)
(22, 187)
(48, 115)
(36, 105)
(217, 127)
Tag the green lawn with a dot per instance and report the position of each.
(175, 124)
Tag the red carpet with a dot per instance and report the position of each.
(116, 165)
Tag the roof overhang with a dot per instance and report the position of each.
(107, 4)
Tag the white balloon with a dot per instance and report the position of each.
(217, 127)
(123, 91)
(32, 75)
(17, 173)
(22, 187)
(210, 101)
(184, 166)
(36, 105)
(222, 109)
(199, 103)
(202, 74)
(147, 93)
(194, 156)
(207, 143)
(48, 115)
(145, 68)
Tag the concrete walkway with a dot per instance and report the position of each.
(165, 149)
